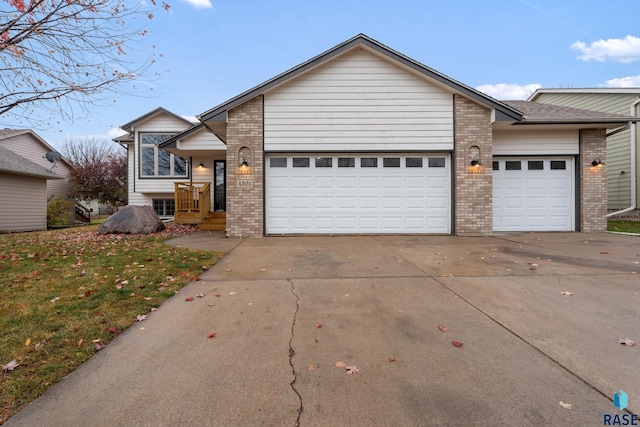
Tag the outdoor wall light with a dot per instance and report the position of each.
(597, 162)
(475, 162)
(244, 163)
(201, 165)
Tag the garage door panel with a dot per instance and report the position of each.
(358, 199)
(533, 200)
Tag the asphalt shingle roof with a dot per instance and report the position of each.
(13, 163)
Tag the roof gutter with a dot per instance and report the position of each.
(634, 161)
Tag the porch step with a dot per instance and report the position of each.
(214, 221)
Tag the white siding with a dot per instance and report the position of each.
(24, 203)
(355, 102)
(541, 142)
(201, 140)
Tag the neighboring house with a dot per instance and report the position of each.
(28, 180)
(364, 140)
(623, 145)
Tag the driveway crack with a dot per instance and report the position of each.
(292, 353)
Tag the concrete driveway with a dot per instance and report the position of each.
(290, 315)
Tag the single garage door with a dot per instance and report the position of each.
(358, 193)
(533, 194)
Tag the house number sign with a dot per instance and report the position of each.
(245, 183)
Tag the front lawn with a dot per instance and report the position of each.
(624, 226)
(65, 294)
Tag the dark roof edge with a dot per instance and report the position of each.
(505, 110)
(172, 142)
(127, 126)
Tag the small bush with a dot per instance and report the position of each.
(57, 211)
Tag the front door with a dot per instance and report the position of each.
(220, 188)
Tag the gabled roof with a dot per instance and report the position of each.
(13, 163)
(172, 142)
(503, 111)
(11, 133)
(540, 113)
(129, 125)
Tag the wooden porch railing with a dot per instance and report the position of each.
(193, 202)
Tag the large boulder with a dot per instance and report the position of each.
(132, 220)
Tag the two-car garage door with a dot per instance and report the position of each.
(358, 193)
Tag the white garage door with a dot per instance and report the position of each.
(532, 194)
(363, 193)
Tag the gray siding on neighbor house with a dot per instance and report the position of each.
(618, 149)
(24, 203)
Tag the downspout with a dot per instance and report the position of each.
(634, 161)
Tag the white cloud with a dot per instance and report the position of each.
(192, 119)
(630, 81)
(115, 132)
(200, 4)
(624, 50)
(506, 91)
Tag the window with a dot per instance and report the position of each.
(437, 162)
(558, 165)
(155, 162)
(324, 162)
(164, 207)
(496, 166)
(513, 165)
(346, 162)
(391, 162)
(413, 162)
(369, 162)
(300, 162)
(535, 165)
(278, 162)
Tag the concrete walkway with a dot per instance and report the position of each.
(290, 315)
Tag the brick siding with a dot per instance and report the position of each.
(245, 201)
(473, 186)
(593, 181)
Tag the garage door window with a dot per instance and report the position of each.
(496, 166)
(437, 162)
(300, 162)
(513, 166)
(324, 162)
(346, 162)
(414, 162)
(278, 162)
(391, 162)
(535, 165)
(558, 165)
(369, 162)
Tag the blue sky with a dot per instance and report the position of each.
(213, 50)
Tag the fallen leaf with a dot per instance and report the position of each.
(340, 365)
(627, 342)
(80, 341)
(27, 342)
(565, 405)
(99, 346)
(352, 370)
(10, 366)
(218, 295)
(392, 359)
(212, 335)
(567, 293)
(310, 367)
(457, 343)
(196, 279)
(604, 253)
(124, 282)
(443, 328)
(318, 325)
(142, 317)
(113, 330)
(200, 295)
(55, 299)
(188, 299)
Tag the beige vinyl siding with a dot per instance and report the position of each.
(540, 142)
(162, 123)
(358, 102)
(201, 140)
(24, 203)
(618, 150)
